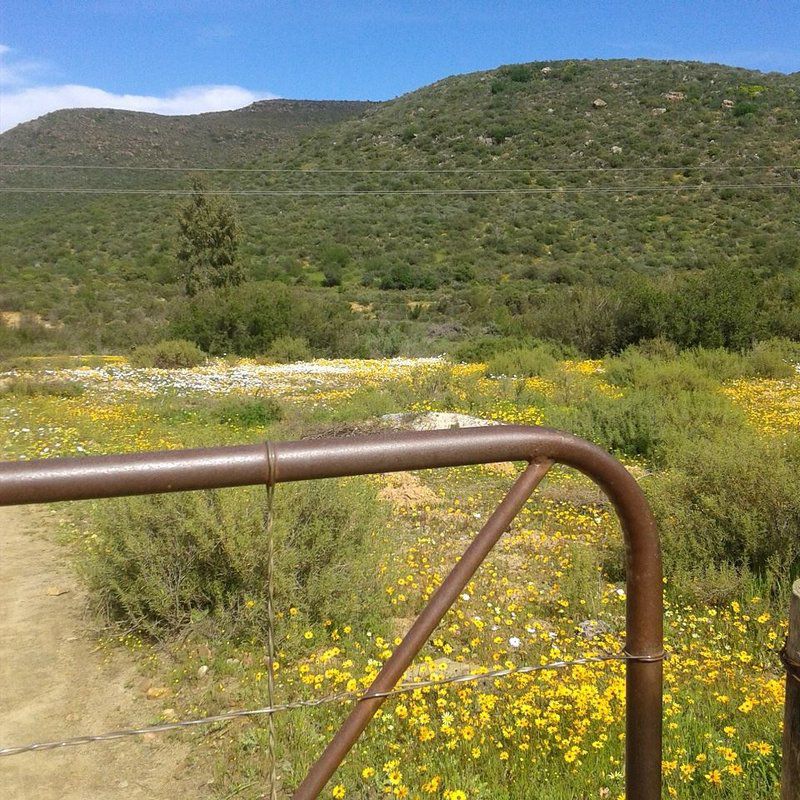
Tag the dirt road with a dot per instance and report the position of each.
(54, 684)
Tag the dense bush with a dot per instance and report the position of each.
(729, 507)
(663, 404)
(168, 354)
(483, 348)
(247, 412)
(162, 561)
(525, 362)
(286, 349)
(775, 358)
(29, 387)
(247, 320)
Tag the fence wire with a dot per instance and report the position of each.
(340, 697)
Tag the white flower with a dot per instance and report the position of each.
(514, 641)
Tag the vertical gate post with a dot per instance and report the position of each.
(790, 776)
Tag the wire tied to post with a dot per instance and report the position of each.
(647, 659)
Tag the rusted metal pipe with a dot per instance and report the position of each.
(419, 633)
(170, 471)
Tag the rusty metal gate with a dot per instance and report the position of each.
(279, 462)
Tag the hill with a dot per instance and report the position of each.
(508, 183)
(109, 137)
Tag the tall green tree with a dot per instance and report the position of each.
(208, 241)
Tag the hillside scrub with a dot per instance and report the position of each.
(695, 260)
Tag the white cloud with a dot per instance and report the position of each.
(19, 72)
(20, 100)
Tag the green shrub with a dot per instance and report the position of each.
(657, 348)
(650, 422)
(581, 582)
(28, 387)
(478, 350)
(159, 562)
(775, 358)
(247, 319)
(364, 404)
(671, 378)
(168, 354)
(286, 349)
(716, 363)
(249, 412)
(730, 502)
(519, 73)
(525, 362)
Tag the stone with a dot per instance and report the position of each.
(616, 149)
(157, 692)
(202, 671)
(592, 628)
(599, 103)
(656, 111)
(728, 103)
(675, 97)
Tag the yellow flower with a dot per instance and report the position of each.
(338, 791)
(714, 777)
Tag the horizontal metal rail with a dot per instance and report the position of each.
(171, 471)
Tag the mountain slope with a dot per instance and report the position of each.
(513, 179)
(110, 137)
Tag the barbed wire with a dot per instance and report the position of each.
(419, 171)
(357, 192)
(340, 697)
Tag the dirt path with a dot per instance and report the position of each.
(53, 683)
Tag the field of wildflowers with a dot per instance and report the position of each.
(546, 593)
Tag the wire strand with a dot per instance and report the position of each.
(419, 171)
(340, 697)
(373, 192)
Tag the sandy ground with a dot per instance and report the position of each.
(54, 684)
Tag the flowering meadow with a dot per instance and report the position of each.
(551, 590)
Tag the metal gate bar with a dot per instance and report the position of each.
(170, 471)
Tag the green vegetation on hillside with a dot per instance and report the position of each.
(594, 210)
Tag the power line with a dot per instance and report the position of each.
(373, 192)
(420, 171)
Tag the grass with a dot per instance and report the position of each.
(557, 567)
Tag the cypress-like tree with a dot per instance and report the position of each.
(208, 240)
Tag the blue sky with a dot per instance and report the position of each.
(184, 56)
